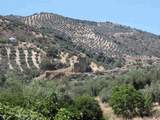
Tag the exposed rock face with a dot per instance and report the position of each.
(64, 57)
(96, 68)
(78, 63)
(37, 35)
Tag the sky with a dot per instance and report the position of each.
(141, 14)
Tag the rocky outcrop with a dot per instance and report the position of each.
(96, 68)
(77, 63)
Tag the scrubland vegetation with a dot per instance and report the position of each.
(73, 98)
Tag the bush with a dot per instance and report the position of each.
(30, 74)
(148, 100)
(89, 108)
(64, 114)
(105, 94)
(12, 93)
(127, 101)
(50, 65)
(139, 78)
(18, 113)
(95, 86)
(3, 41)
(48, 106)
(52, 53)
(46, 65)
(154, 91)
(118, 63)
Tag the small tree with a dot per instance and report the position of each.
(127, 101)
(48, 106)
(89, 108)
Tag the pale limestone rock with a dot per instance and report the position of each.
(96, 68)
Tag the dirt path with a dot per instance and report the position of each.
(107, 110)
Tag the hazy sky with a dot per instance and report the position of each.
(142, 14)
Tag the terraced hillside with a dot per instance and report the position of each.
(19, 50)
(24, 48)
(46, 35)
(106, 38)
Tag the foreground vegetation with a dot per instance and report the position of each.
(128, 102)
(39, 101)
(130, 95)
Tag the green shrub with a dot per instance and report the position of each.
(50, 65)
(148, 105)
(89, 108)
(105, 94)
(18, 113)
(126, 101)
(30, 74)
(64, 114)
(118, 63)
(52, 53)
(95, 86)
(138, 78)
(48, 106)
(12, 93)
(154, 91)
(3, 41)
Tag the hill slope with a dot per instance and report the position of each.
(107, 38)
(24, 48)
(60, 41)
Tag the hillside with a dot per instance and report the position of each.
(25, 49)
(58, 68)
(57, 39)
(18, 50)
(106, 38)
